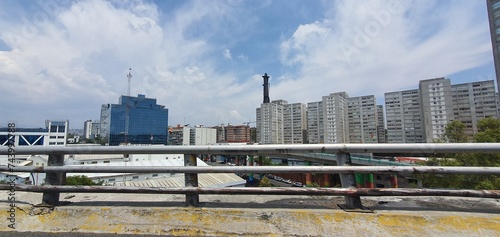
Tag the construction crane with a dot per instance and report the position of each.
(248, 123)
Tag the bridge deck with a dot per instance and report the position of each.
(257, 215)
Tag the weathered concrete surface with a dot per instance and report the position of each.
(223, 215)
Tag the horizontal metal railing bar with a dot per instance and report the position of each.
(406, 148)
(259, 190)
(259, 169)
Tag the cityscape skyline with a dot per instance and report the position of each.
(205, 61)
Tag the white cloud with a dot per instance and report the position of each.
(227, 54)
(84, 49)
(376, 47)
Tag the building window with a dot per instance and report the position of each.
(135, 177)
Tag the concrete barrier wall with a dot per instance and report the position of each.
(187, 221)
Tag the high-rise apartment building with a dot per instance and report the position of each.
(473, 102)
(436, 106)
(493, 7)
(381, 124)
(135, 120)
(294, 123)
(403, 117)
(362, 118)
(421, 115)
(315, 131)
(335, 120)
(270, 122)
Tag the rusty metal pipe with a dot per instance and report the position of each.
(423, 148)
(259, 190)
(259, 169)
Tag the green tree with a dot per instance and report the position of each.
(313, 185)
(81, 180)
(265, 182)
(266, 161)
(455, 132)
(488, 131)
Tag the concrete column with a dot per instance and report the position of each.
(259, 162)
(326, 179)
(369, 181)
(348, 181)
(394, 181)
(250, 163)
(52, 198)
(308, 175)
(191, 180)
(360, 180)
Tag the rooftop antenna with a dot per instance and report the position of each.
(129, 76)
(127, 111)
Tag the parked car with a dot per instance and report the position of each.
(287, 181)
(277, 178)
(297, 184)
(270, 176)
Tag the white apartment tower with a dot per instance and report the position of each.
(294, 123)
(403, 116)
(335, 121)
(473, 102)
(362, 118)
(437, 107)
(270, 122)
(315, 131)
(87, 129)
(380, 124)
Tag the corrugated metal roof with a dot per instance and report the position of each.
(204, 180)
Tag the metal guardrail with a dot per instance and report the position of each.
(56, 171)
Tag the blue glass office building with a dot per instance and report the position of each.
(147, 121)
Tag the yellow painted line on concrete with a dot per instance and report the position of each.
(185, 221)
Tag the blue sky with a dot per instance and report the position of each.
(204, 59)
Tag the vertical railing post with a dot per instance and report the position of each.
(52, 197)
(250, 175)
(191, 180)
(348, 181)
(309, 181)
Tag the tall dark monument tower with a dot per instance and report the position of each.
(266, 88)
